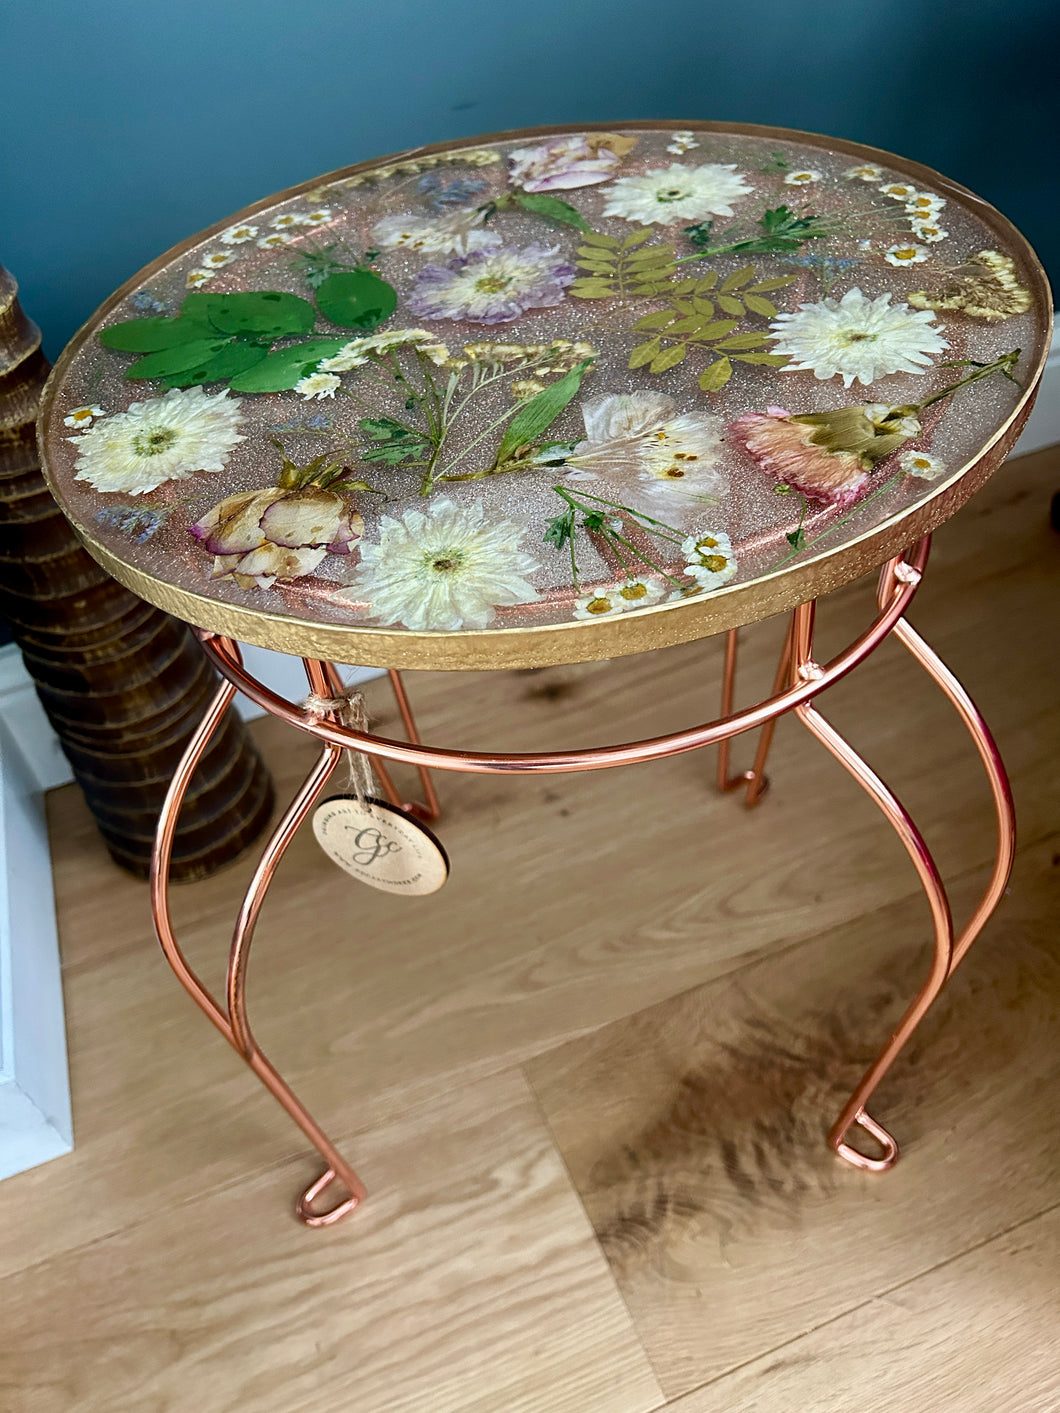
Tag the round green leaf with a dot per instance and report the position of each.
(356, 299)
(177, 359)
(150, 335)
(236, 357)
(282, 369)
(263, 313)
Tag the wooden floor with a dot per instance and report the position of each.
(587, 1083)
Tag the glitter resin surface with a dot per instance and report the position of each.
(469, 405)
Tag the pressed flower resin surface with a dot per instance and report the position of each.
(549, 396)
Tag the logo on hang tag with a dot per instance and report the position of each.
(381, 845)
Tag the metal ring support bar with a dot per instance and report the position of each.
(224, 654)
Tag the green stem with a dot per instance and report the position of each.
(841, 521)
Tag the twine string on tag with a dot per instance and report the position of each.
(350, 711)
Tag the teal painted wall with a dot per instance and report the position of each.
(129, 124)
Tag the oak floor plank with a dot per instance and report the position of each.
(574, 900)
(470, 1282)
(694, 1130)
(977, 1335)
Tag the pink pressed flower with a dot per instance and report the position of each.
(561, 164)
(786, 451)
(261, 536)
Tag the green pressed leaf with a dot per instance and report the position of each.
(597, 267)
(356, 299)
(669, 358)
(592, 289)
(740, 277)
(716, 376)
(287, 366)
(598, 238)
(743, 341)
(663, 253)
(758, 305)
(637, 237)
(655, 321)
(537, 415)
(150, 335)
(684, 306)
(730, 304)
(396, 443)
(598, 255)
(264, 314)
(773, 360)
(694, 324)
(707, 282)
(233, 359)
(778, 283)
(644, 353)
(718, 329)
(552, 209)
(646, 291)
(178, 359)
(703, 306)
(686, 286)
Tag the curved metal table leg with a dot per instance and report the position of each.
(755, 779)
(948, 951)
(233, 1024)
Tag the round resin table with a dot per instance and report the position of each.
(547, 397)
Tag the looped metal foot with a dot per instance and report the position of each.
(304, 1207)
(876, 1131)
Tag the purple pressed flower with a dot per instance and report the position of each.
(492, 286)
(565, 162)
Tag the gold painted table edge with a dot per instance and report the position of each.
(799, 680)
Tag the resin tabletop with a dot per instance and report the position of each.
(548, 396)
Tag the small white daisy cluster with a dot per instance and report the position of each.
(922, 208)
(709, 559)
(609, 600)
(802, 176)
(683, 142)
(473, 156)
(243, 233)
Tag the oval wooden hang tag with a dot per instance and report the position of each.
(381, 845)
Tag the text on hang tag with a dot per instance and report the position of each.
(381, 845)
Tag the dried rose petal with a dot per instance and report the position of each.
(350, 530)
(272, 562)
(233, 526)
(307, 517)
(785, 451)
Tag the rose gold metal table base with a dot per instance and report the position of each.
(798, 681)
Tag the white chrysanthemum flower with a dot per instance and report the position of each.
(908, 254)
(444, 568)
(358, 352)
(273, 239)
(642, 434)
(197, 278)
(446, 235)
(866, 172)
(166, 438)
(677, 193)
(237, 235)
(924, 203)
(918, 463)
(638, 593)
(709, 559)
(318, 385)
(287, 221)
(605, 602)
(682, 142)
(929, 231)
(899, 191)
(802, 177)
(857, 338)
(82, 416)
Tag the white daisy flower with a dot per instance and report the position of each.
(82, 416)
(802, 177)
(918, 463)
(677, 193)
(238, 235)
(197, 278)
(459, 233)
(318, 385)
(444, 568)
(605, 602)
(217, 259)
(682, 142)
(638, 593)
(709, 559)
(287, 221)
(908, 254)
(320, 217)
(929, 231)
(866, 172)
(358, 352)
(924, 203)
(857, 338)
(643, 434)
(899, 191)
(168, 438)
